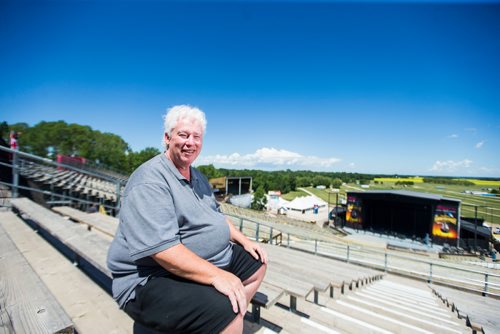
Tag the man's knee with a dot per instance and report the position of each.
(258, 276)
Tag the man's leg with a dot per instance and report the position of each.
(251, 285)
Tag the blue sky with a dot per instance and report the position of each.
(369, 87)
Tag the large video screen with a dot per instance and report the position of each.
(354, 209)
(445, 221)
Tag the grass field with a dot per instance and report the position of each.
(291, 195)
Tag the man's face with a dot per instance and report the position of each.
(185, 143)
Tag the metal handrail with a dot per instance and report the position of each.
(348, 253)
(58, 164)
(19, 158)
(63, 197)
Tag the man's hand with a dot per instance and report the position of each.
(256, 251)
(231, 286)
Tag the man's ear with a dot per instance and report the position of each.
(166, 139)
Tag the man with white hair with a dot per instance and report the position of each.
(179, 265)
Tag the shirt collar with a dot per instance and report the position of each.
(170, 165)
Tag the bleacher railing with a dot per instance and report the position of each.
(433, 271)
(22, 163)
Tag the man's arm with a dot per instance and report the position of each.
(182, 262)
(251, 247)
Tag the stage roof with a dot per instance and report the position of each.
(406, 193)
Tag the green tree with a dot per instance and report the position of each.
(135, 159)
(109, 151)
(4, 131)
(210, 171)
(321, 180)
(336, 183)
(259, 199)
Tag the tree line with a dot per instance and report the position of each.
(110, 151)
(287, 180)
(102, 149)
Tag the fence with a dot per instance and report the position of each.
(58, 181)
(432, 271)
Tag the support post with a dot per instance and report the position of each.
(485, 284)
(256, 313)
(118, 189)
(293, 304)
(15, 174)
(475, 228)
(430, 273)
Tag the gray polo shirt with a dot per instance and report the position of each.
(160, 208)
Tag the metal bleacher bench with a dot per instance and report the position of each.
(26, 304)
(77, 242)
(93, 248)
(98, 221)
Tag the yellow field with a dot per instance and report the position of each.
(396, 179)
(484, 182)
(421, 179)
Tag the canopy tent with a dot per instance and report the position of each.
(304, 203)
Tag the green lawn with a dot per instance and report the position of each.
(291, 195)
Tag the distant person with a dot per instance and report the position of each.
(427, 239)
(178, 264)
(13, 140)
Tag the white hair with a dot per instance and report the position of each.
(175, 113)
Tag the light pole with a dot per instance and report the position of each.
(336, 191)
(475, 228)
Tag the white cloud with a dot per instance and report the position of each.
(453, 136)
(480, 144)
(490, 171)
(269, 156)
(451, 166)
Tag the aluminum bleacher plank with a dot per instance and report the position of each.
(92, 221)
(26, 304)
(91, 247)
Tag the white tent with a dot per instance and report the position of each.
(305, 203)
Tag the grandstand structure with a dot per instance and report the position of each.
(315, 283)
(52, 183)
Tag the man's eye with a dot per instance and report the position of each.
(183, 135)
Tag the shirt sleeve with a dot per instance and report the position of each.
(149, 220)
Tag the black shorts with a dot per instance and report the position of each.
(173, 304)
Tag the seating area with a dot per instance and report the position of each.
(89, 308)
(72, 186)
(302, 292)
